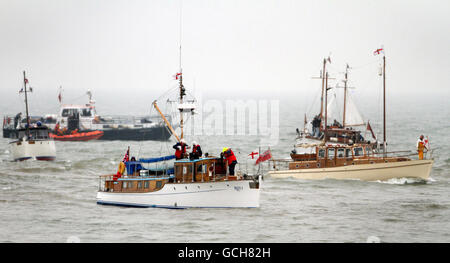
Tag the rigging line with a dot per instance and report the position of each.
(312, 104)
(181, 20)
(167, 92)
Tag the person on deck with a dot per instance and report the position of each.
(135, 168)
(180, 149)
(58, 130)
(421, 146)
(316, 125)
(231, 159)
(196, 151)
(17, 119)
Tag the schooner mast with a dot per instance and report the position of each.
(384, 104)
(345, 94)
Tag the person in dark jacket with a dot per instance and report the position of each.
(196, 151)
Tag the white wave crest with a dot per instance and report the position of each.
(405, 181)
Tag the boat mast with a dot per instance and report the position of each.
(182, 90)
(345, 94)
(182, 93)
(26, 103)
(323, 85)
(384, 104)
(326, 106)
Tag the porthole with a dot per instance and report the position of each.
(371, 162)
(318, 164)
(353, 163)
(296, 166)
(307, 165)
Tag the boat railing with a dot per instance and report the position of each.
(279, 164)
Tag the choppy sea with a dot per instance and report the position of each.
(55, 201)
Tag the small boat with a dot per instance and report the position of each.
(33, 140)
(336, 133)
(78, 136)
(358, 162)
(186, 183)
(351, 161)
(201, 183)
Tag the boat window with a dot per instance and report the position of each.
(124, 185)
(340, 153)
(331, 153)
(321, 153)
(146, 184)
(201, 168)
(139, 184)
(358, 151)
(40, 134)
(68, 112)
(348, 153)
(86, 113)
(368, 150)
(158, 184)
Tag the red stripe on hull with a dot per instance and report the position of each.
(45, 158)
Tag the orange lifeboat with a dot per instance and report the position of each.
(78, 136)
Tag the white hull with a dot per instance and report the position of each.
(366, 172)
(36, 150)
(224, 194)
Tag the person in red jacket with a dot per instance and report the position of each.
(231, 159)
(180, 149)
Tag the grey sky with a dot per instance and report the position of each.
(127, 51)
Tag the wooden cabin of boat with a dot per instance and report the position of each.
(335, 156)
(208, 169)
